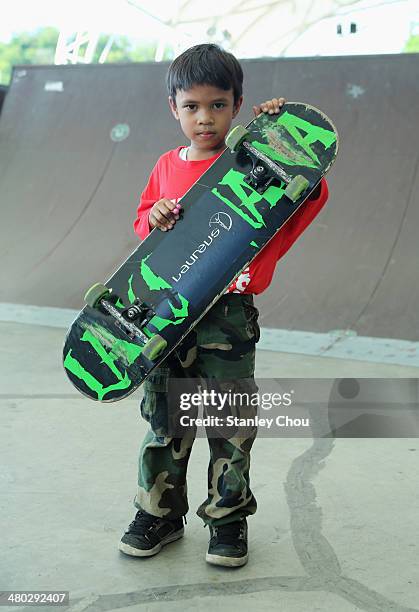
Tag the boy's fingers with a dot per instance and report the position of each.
(160, 219)
(167, 208)
(279, 104)
(267, 107)
(273, 106)
(164, 214)
(270, 106)
(154, 222)
(172, 209)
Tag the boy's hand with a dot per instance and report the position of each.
(270, 106)
(164, 214)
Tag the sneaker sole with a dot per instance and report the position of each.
(226, 561)
(127, 549)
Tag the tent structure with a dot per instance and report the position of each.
(251, 28)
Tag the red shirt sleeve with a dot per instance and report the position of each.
(149, 196)
(296, 225)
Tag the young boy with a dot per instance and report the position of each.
(205, 94)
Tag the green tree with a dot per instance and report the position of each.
(27, 48)
(412, 45)
(124, 50)
(39, 48)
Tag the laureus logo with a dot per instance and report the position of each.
(222, 219)
(219, 221)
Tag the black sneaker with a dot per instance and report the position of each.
(147, 534)
(228, 544)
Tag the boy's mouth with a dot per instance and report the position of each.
(205, 134)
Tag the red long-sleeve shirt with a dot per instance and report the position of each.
(171, 178)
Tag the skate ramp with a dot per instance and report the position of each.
(69, 189)
(78, 142)
(357, 266)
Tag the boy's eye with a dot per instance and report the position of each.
(192, 107)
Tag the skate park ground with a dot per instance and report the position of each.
(336, 526)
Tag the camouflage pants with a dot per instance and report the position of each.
(220, 350)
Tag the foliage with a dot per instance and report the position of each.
(27, 48)
(412, 45)
(39, 48)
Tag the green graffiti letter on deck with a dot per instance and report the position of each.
(131, 294)
(248, 197)
(120, 350)
(154, 282)
(313, 133)
(78, 370)
(180, 315)
(183, 310)
(303, 133)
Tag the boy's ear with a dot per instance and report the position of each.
(237, 106)
(172, 104)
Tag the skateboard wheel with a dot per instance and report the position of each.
(95, 294)
(154, 347)
(236, 136)
(296, 188)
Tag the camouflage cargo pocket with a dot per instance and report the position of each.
(244, 316)
(153, 406)
(251, 314)
(229, 322)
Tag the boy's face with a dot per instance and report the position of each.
(205, 114)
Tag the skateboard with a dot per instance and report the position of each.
(132, 322)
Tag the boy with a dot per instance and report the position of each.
(205, 94)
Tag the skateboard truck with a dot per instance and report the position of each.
(100, 297)
(264, 170)
(136, 311)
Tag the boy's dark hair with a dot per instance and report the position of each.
(205, 64)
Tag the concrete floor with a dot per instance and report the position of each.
(336, 527)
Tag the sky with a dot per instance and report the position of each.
(383, 29)
(108, 15)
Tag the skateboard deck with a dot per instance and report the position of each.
(137, 318)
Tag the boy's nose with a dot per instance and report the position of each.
(205, 118)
